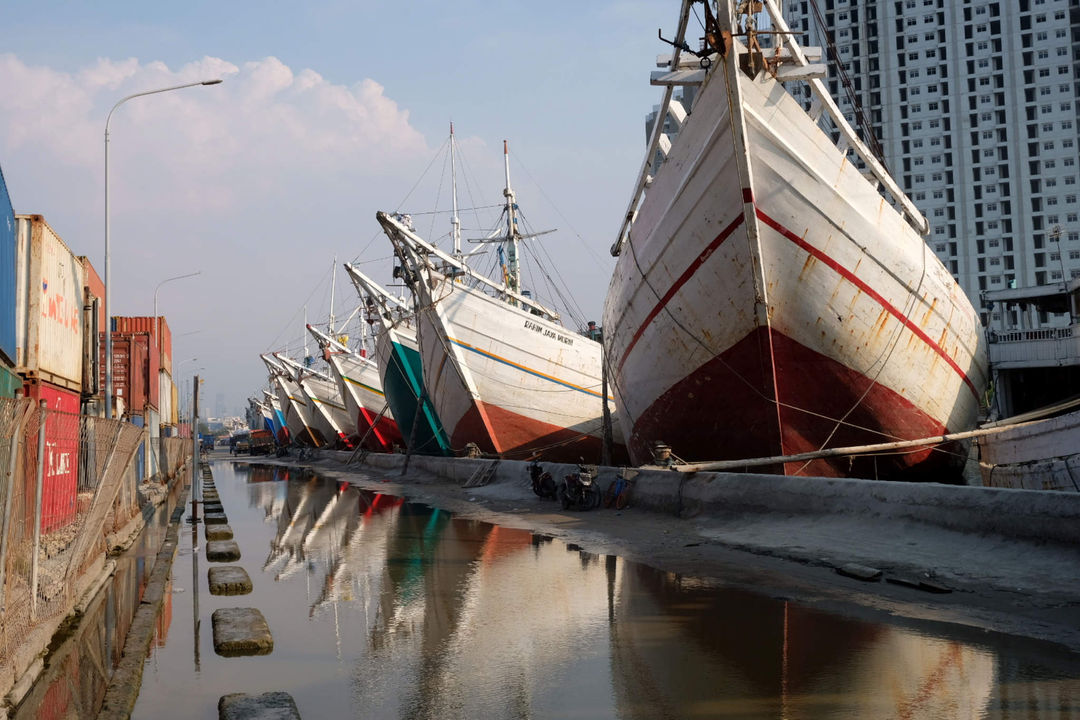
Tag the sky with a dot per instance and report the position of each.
(329, 111)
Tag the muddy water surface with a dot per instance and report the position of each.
(386, 609)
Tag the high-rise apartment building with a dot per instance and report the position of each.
(976, 104)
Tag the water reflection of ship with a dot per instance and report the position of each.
(685, 649)
(268, 488)
(304, 503)
(502, 619)
(430, 560)
(356, 567)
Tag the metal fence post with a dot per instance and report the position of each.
(21, 416)
(38, 492)
(195, 474)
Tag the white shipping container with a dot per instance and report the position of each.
(165, 398)
(153, 424)
(48, 305)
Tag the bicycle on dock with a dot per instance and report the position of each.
(618, 491)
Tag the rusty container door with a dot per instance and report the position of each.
(93, 325)
(139, 372)
(60, 475)
(121, 367)
(48, 306)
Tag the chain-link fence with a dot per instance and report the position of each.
(66, 481)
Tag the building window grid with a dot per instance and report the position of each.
(997, 140)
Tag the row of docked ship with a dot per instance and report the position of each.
(773, 296)
(471, 364)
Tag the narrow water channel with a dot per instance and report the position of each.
(382, 608)
(81, 661)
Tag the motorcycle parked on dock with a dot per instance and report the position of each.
(542, 482)
(579, 491)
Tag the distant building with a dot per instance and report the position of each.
(1035, 366)
(976, 104)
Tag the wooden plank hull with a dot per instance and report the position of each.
(507, 380)
(402, 379)
(791, 312)
(360, 387)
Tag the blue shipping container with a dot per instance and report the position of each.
(7, 275)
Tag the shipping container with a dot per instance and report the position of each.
(93, 324)
(91, 344)
(158, 331)
(174, 413)
(10, 381)
(60, 476)
(131, 370)
(165, 398)
(48, 306)
(7, 276)
(140, 455)
(164, 344)
(153, 447)
(92, 282)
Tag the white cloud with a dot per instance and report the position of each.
(257, 182)
(264, 118)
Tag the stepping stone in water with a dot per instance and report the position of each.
(229, 580)
(217, 532)
(241, 631)
(859, 572)
(222, 551)
(216, 519)
(268, 706)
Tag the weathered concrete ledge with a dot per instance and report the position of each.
(213, 507)
(228, 580)
(1028, 514)
(222, 551)
(267, 706)
(217, 532)
(240, 632)
(216, 519)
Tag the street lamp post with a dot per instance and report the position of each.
(108, 283)
(178, 277)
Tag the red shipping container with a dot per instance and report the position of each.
(159, 333)
(60, 478)
(133, 366)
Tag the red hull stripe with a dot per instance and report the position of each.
(682, 280)
(850, 277)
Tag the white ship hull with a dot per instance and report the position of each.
(770, 302)
(509, 381)
(328, 411)
(360, 386)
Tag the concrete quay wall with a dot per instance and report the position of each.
(1023, 514)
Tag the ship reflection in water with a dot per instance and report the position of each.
(387, 609)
